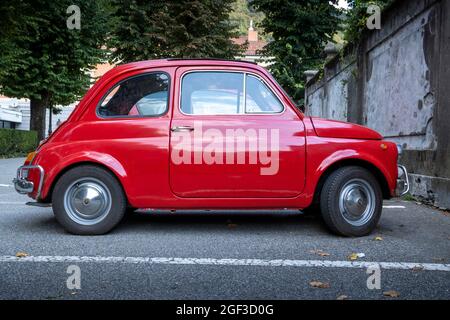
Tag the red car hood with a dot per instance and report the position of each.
(339, 129)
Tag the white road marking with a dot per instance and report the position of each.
(5, 185)
(394, 207)
(232, 262)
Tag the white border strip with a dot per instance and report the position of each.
(232, 262)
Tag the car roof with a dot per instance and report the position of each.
(179, 62)
(161, 63)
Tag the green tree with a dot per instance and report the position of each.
(46, 61)
(172, 28)
(300, 30)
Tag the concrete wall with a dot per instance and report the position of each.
(396, 81)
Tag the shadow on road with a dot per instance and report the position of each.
(42, 221)
(266, 221)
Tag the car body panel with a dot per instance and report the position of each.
(339, 129)
(137, 149)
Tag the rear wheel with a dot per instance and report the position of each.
(351, 201)
(88, 200)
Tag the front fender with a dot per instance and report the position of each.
(323, 153)
(389, 172)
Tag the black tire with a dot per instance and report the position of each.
(112, 208)
(337, 202)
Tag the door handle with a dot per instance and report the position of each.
(182, 129)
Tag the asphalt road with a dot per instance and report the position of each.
(217, 255)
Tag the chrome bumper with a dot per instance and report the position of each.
(402, 181)
(22, 185)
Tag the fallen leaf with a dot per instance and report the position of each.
(342, 297)
(319, 284)
(232, 225)
(378, 238)
(438, 259)
(21, 254)
(355, 256)
(320, 253)
(391, 293)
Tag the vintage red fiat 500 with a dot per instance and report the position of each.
(206, 134)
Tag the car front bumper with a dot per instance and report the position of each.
(402, 181)
(23, 185)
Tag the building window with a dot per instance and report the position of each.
(7, 124)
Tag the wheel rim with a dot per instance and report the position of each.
(87, 201)
(357, 202)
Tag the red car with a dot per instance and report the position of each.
(206, 134)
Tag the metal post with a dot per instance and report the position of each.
(50, 109)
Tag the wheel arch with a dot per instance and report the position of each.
(60, 173)
(378, 174)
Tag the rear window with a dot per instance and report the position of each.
(141, 96)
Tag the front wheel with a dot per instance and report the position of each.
(88, 200)
(351, 201)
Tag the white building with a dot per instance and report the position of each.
(15, 114)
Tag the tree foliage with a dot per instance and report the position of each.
(47, 62)
(300, 30)
(172, 28)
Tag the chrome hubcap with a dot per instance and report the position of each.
(357, 202)
(87, 201)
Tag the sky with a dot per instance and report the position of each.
(343, 4)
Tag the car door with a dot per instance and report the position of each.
(233, 137)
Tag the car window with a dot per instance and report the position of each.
(145, 95)
(212, 93)
(259, 98)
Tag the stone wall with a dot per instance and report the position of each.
(396, 80)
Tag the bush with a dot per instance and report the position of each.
(17, 142)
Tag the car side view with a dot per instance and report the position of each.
(206, 134)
